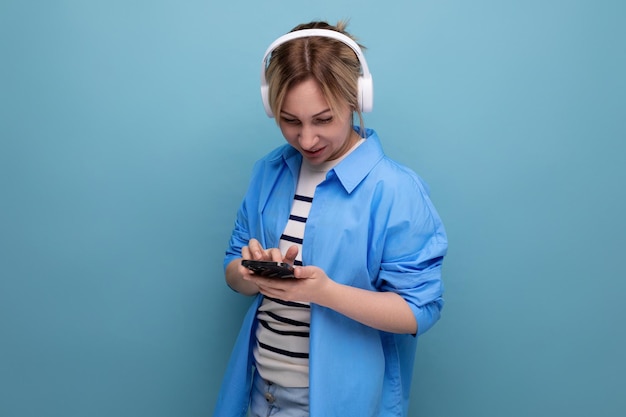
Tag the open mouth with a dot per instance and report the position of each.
(313, 154)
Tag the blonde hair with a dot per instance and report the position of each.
(329, 62)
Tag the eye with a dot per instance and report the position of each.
(290, 121)
(324, 120)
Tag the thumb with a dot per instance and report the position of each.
(309, 271)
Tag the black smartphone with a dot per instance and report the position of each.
(269, 269)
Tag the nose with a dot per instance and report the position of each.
(307, 138)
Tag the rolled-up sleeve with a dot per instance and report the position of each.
(415, 244)
(239, 237)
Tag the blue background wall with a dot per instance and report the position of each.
(128, 130)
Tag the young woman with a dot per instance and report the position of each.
(366, 243)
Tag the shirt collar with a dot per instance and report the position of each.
(355, 167)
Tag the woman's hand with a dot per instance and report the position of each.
(256, 252)
(239, 277)
(309, 285)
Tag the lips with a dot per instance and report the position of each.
(313, 154)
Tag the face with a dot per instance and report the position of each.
(308, 124)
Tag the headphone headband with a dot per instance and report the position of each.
(365, 84)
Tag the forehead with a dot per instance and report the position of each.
(308, 98)
(304, 97)
(307, 89)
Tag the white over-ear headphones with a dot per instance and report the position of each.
(366, 86)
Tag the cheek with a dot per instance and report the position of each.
(344, 130)
(290, 134)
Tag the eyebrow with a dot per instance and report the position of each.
(312, 117)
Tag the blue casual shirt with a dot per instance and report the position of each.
(372, 225)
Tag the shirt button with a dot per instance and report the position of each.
(269, 397)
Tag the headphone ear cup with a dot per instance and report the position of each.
(366, 93)
(266, 100)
